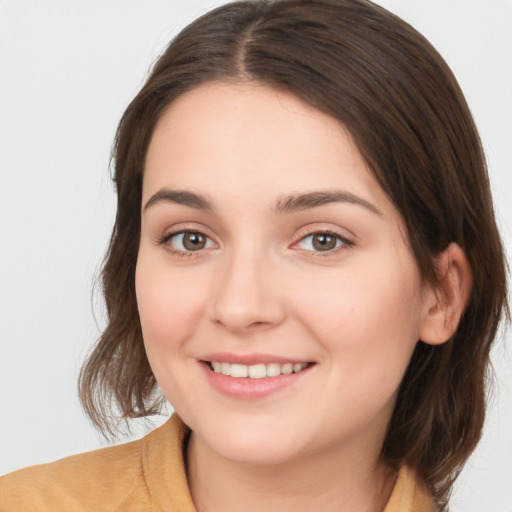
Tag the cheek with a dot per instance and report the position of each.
(367, 318)
(169, 305)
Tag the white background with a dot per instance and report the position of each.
(68, 68)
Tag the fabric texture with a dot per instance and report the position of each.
(142, 476)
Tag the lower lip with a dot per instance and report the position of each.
(247, 388)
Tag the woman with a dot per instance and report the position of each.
(305, 260)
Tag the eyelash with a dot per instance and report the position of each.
(341, 242)
(166, 239)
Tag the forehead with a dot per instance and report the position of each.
(248, 139)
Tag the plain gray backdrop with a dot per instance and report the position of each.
(67, 71)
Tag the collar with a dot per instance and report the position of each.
(163, 462)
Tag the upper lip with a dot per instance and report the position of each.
(250, 359)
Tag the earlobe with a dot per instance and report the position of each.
(444, 305)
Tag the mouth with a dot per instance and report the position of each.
(253, 376)
(256, 371)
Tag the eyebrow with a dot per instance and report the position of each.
(183, 197)
(286, 204)
(296, 202)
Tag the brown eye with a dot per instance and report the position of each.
(188, 241)
(324, 242)
(194, 241)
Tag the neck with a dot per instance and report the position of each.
(329, 481)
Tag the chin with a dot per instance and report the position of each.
(263, 451)
(255, 441)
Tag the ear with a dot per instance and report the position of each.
(443, 305)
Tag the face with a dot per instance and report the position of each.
(279, 301)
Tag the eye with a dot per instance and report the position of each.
(322, 242)
(187, 241)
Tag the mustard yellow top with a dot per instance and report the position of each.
(142, 476)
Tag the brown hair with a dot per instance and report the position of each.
(382, 80)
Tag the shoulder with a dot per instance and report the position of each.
(76, 483)
(410, 494)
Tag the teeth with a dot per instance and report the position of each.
(257, 371)
(287, 368)
(238, 370)
(273, 369)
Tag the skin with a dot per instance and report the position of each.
(260, 286)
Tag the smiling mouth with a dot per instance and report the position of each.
(256, 371)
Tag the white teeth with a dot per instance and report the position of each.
(287, 368)
(239, 370)
(257, 371)
(273, 369)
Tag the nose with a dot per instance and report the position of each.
(248, 295)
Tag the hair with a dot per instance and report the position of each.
(402, 105)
